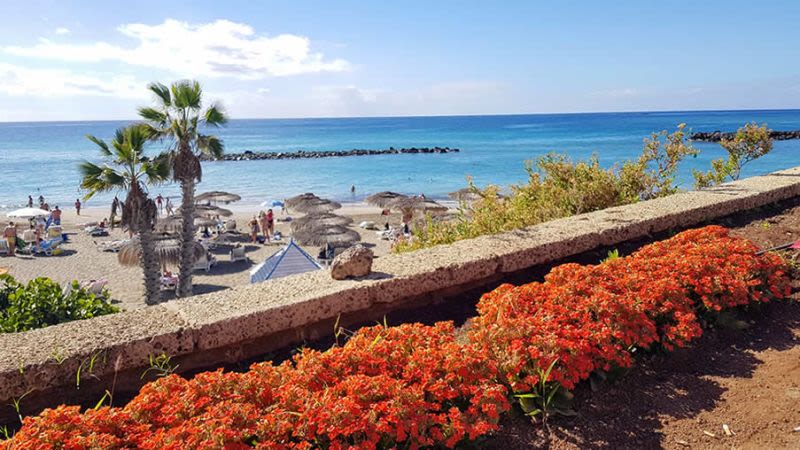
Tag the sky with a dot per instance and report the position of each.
(92, 60)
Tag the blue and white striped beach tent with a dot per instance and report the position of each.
(287, 261)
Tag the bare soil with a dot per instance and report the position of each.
(744, 373)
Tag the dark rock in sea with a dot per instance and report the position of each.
(249, 155)
(716, 136)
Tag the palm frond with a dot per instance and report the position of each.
(157, 170)
(215, 115)
(104, 150)
(161, 92)
(187, 94)
(210, 145)
(153, 115)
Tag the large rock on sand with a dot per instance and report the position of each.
(356, 261)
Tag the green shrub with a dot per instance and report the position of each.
(42, 302)
(558, 187)
(749, 143)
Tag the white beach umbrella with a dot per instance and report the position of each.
(27, 213)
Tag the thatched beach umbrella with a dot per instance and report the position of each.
(416, 203)
(381, 199)
(333, 235)
(210, 211)
(173, 224)
(168, 251)
(319, 220)
(316, 205)
(217, 196)
(297, 199)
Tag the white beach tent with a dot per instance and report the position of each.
(289, 260)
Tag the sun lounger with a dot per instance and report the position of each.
(47, 248)
(206, 262)
(96, 231)
(110, 246)
(95, 287)
(237, 254)
(169, 283)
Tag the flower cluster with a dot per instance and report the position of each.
(415, 386)
(408, 386)
(587, 318)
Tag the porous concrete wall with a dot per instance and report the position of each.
(234, 324)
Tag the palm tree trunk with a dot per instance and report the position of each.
(187, 237)
(150, 266)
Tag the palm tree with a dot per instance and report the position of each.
(128, 169)
(178, 117)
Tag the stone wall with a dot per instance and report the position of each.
(238, 323)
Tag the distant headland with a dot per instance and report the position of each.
(716, 136)
(252, 156)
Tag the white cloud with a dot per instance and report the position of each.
(62, 30)
(24, 81)
(218, 49)
(263, 91)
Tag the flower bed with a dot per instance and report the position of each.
(415, 386)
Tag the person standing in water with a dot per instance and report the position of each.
(30, 202)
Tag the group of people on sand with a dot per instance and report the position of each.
(265, 222)
(164, 204)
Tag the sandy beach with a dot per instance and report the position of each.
(82, 260)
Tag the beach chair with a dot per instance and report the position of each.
(206, 262)
(95, 287)
(29, 235)
(237, 254)
(169, 282)
(54, 231)
(46, 248)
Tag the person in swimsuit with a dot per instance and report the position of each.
(56, 215)
(270, 223)
(78, 206)
(253, 230)
(10, 233)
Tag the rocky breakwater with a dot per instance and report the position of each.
(251, 155)
(716, 136)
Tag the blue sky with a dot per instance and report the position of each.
(63, 60)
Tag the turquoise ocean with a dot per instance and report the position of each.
(42, 157)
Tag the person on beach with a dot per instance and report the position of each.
(46, 206)
(169, 207)
(41, 200)
(30, 202)
(114, 207)
(284, 209)
(262, 222)
(253, 230)
(270, 223)
(56, 216)
(10, 233)
(159, 203)
(37, 235)
(41, 224)
(78, 206)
